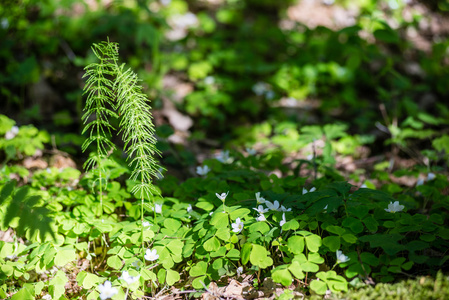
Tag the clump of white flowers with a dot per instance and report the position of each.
(12, 133)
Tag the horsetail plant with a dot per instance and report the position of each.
(113, 91)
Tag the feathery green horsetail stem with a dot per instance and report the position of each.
(111, 88)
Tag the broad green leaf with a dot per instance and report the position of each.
(212, 244)
(261, 227)
(332, 242)
(200, 283)
(295, 269)
(207, 206)
(318, 287)
(354, 224)
(223, 234)
(200, 268)
(315, 258)
(282, 275)
(349, 238)
(296, 244)
(87, 280)
(259, 257)
(335, 229)
(172, 224)
(233, 254)
(175, 247)
(114, 262)
(313, 242)
(26, 293)
(239, 213)
(291, 225)
(219, 220)
(64, 256)
(172, 277)
(57, 285)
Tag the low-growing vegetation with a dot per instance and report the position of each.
(235, 189)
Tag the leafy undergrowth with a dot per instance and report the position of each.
(246, 226)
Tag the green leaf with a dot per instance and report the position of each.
(349, 238)
(239, 213)
(114, 262)
(335, 229)
(172, 277)
(57, 285)
(212, 244)
(87, 280)
(261, 227)
(354, 224)
(246, 251)
(26, 293)
(219, 220)
(200, 268)
(64, 256)
(318, 287)
(172, 224)
(295, 269)
(223, 234)
(332, 242)
(260, 257)
(291, 225)
(175, 247)
(313, 242)
(233, 254)
(296, 244)
(282, 275)
(200, 283)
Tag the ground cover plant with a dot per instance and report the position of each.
(229, 185)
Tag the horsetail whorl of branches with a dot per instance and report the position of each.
(113, 92)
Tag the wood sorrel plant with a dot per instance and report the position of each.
(113, 91)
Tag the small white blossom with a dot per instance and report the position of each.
(202, 171)
(261, 210)
(106, 290)
(394, 207)
(224, 157)
(325, 207)
(251, 151)
(157, 208)
(364, 186)
(273, 206)
(222, 196)
(12, 133)
(151, 255)
(47, 297)
(239, 271)
(420, 182)
(285, 209)
(136, 264)
(430, 176)
(259, 199)
(283, 221)
(189, 208)
(146, 224)
(341, 258)
(309, 157)
(129, 279)
(237, 227)
(209, 80)
(261, 218)
(305, 191)
(211, 213)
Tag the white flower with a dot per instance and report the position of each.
(261, 210)
(189, 208)
(136, 264)
(47, 297)
(305, 191)
(394, 207)
(146, 224)
(309, 157)
(202, 171)
(261, 218)
(211, 213)
(157, 208)
(209, 80)
(272, 206)
(285, 209)
(151, 255)
(283, 221)
(325, 207)
(224, 157)
(341, 258)
(430, 176)
(420, 182)
(129, 279)
(259, 199)
(251, 151)
(222, 196)
(106, 290)
(12, 133)
(239, 271)
(364, 186)
(237, 227)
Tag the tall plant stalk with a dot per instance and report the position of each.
(114, 91)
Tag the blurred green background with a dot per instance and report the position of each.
(239, 71)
